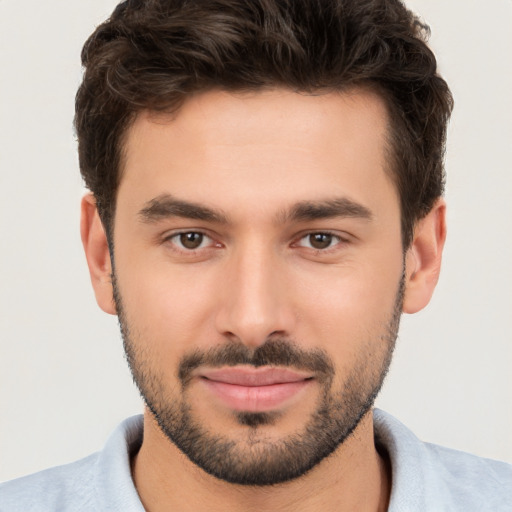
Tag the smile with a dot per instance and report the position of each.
(254, 389)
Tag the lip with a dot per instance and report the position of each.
(254, 389)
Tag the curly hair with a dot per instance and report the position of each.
(154, 54)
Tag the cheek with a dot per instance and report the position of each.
(348, 306)
(169, 308)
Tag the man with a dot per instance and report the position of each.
(266, 199)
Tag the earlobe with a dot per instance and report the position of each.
(97, 253)
(423, 258)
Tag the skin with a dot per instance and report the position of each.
(253, 157)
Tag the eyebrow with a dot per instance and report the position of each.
(325, 209)
(166, 206)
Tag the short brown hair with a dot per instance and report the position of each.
(153, 54)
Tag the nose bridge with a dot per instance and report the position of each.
(254, 305)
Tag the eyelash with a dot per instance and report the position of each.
(175, 236)
(339, 240)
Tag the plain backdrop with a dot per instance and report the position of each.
(64, 384)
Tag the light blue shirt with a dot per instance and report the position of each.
(425, 477)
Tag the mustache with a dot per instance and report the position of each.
(274, 352)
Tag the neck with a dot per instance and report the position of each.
(354, 477)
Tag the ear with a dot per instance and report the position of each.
(423, 258)
(94, 240)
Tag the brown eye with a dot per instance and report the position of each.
(191, 240)
(320, 240)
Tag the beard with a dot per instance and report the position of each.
(255, 459)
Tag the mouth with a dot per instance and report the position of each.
(254, 389)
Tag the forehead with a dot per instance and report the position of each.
(271, 146)
(238, 118)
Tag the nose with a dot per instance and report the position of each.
(255, 301)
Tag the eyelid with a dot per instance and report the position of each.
(343, 239)
(170, 235)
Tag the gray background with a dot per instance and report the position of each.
(63, 381)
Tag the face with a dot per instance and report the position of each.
(259, 275)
